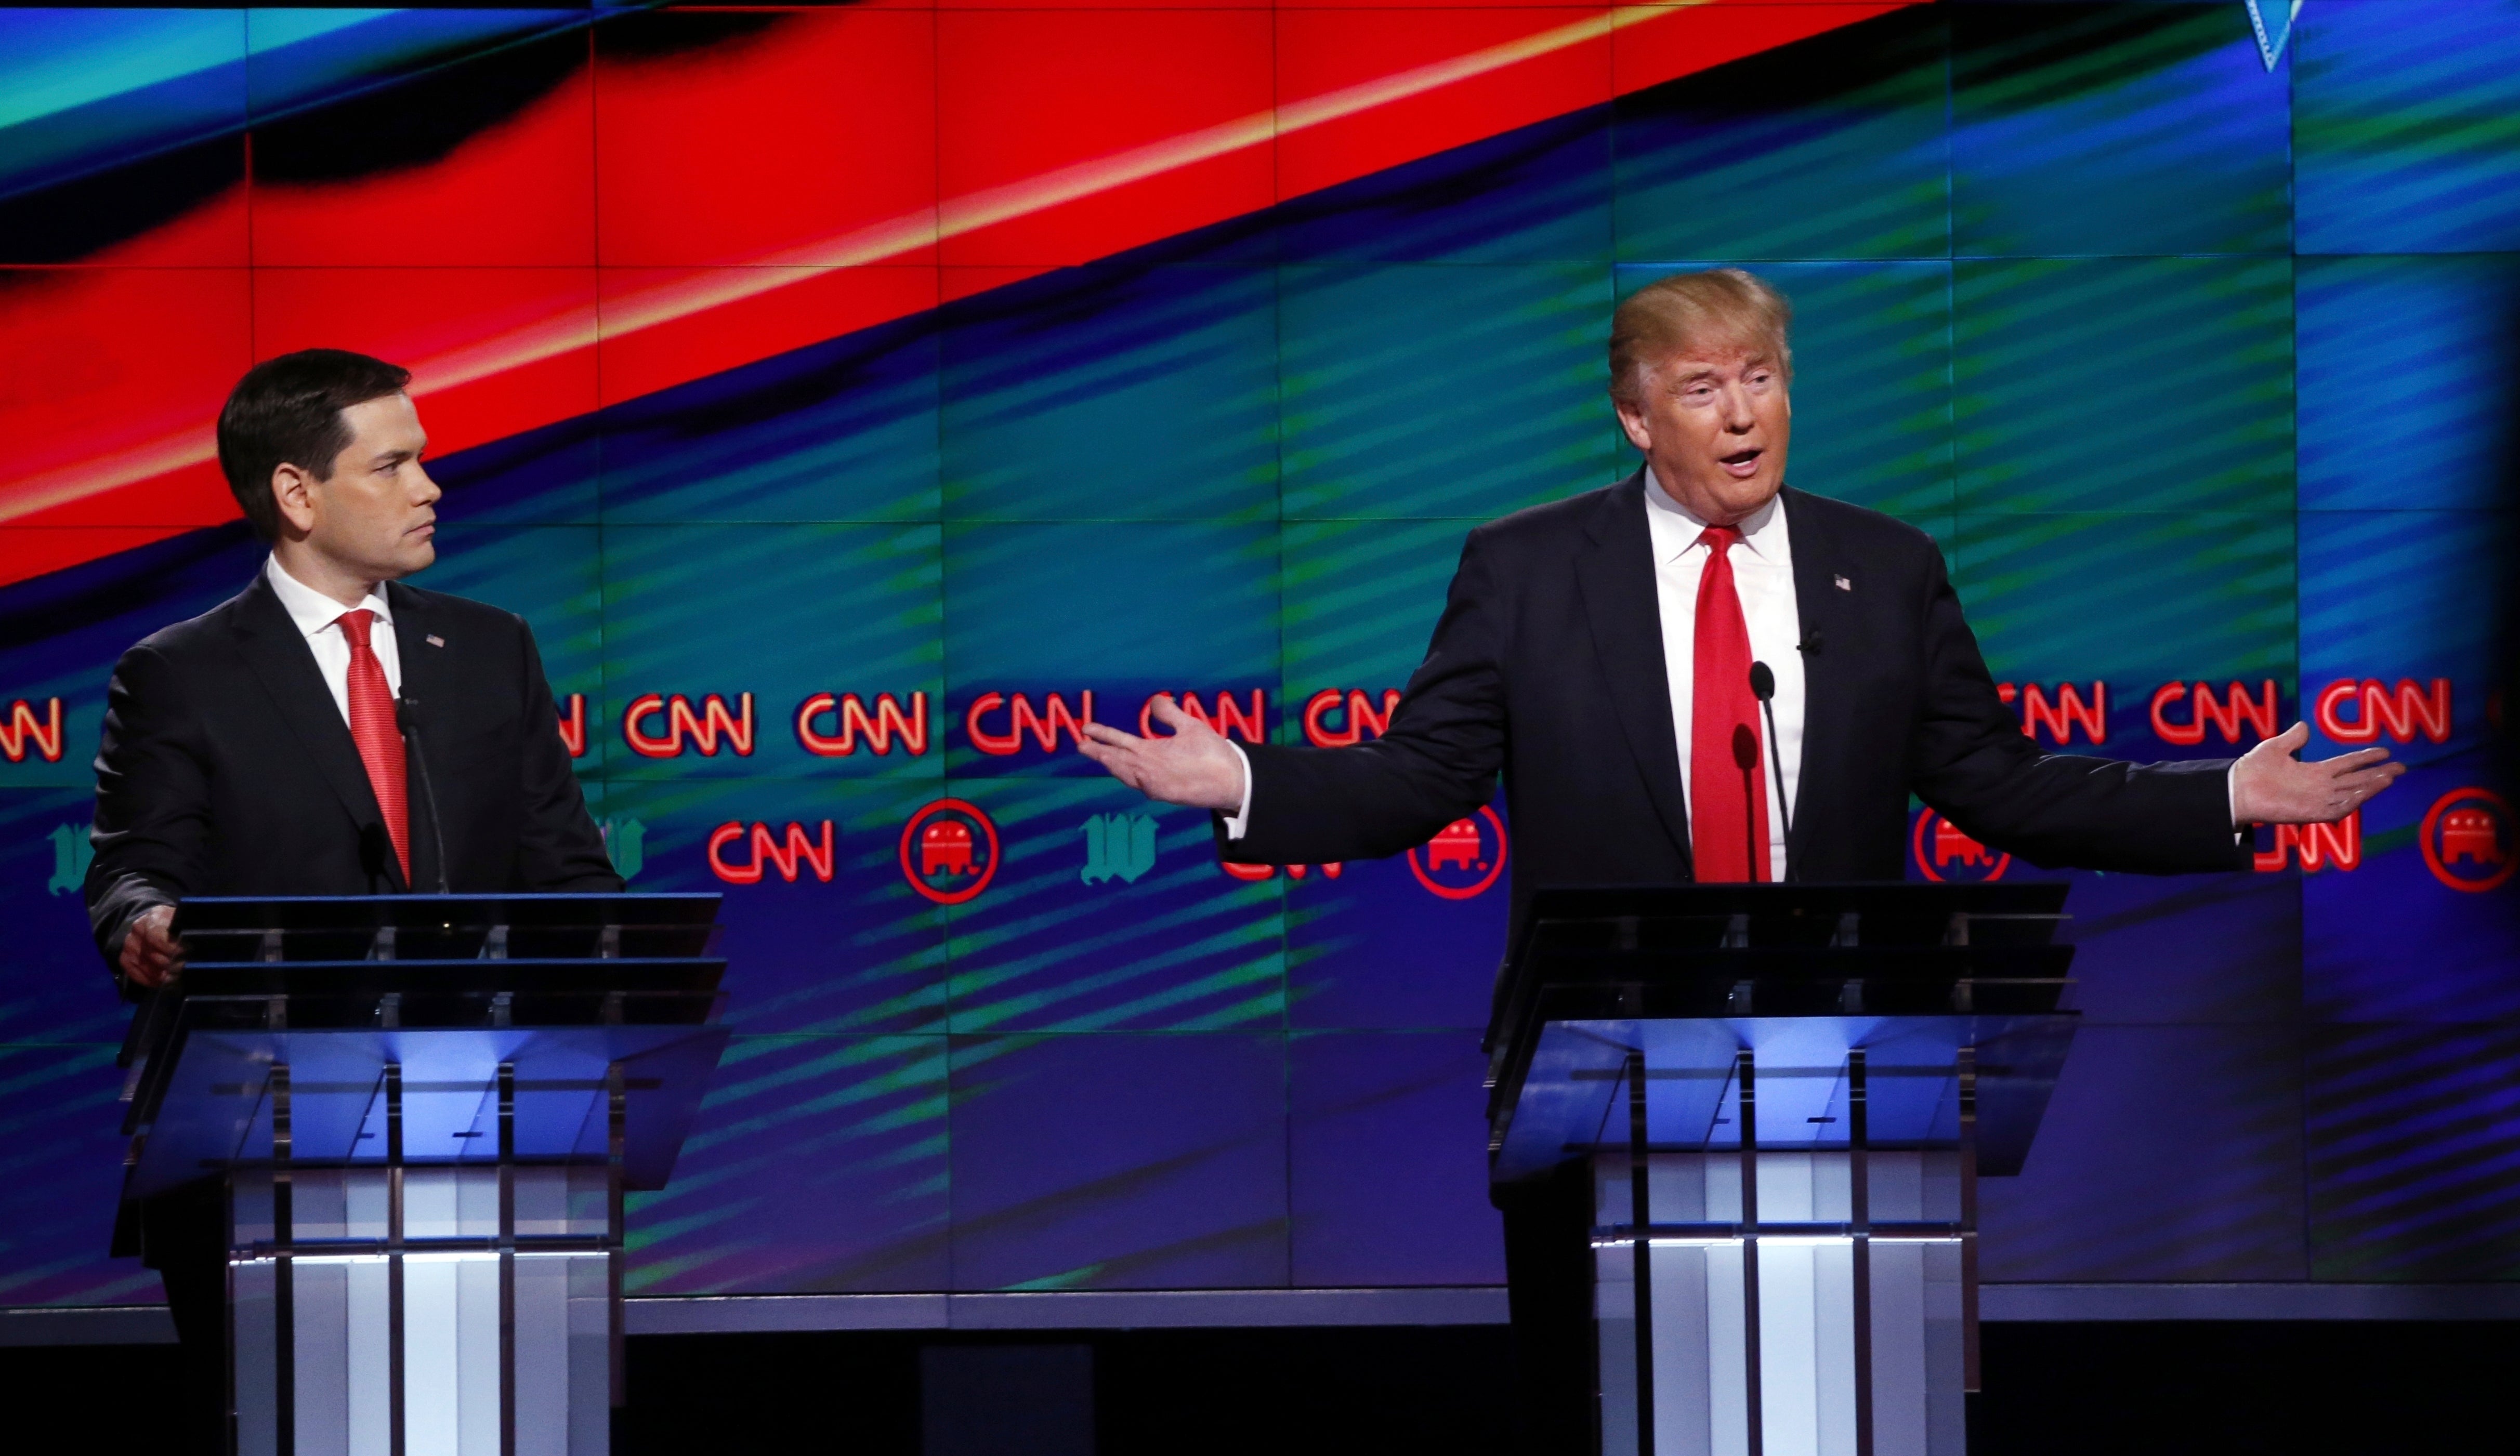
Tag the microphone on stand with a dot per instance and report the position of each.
(404, 717)
(1763, 686)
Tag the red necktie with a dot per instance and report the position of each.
(1727, 795)
(380, 741)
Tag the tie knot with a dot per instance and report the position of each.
(1719, 539)
(354, 626)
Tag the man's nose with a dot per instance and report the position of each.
(1738, 414)
(428, 491)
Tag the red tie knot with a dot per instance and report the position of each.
(354, 626)
(1719, 539)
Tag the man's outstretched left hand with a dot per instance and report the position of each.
(2269, 786)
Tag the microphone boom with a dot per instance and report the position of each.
(403, 717)
(1763, 686)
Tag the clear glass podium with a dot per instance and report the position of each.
(1786, 1095)
(425, 1109)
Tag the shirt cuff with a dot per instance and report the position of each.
(2231, 796)
(1241, 820)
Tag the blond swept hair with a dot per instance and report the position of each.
(1721, 307)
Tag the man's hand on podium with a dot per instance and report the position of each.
(150, 955)
(2269, 786)
(1193, 767)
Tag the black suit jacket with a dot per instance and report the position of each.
(227, 770)
(1547, 666)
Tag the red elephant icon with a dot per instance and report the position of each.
(1939, 845)
(1456, 844)
(2470, 834)
(954, 838)
(1951, 844)
(947, 844)
(1473, 857)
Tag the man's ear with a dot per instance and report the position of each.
(292, 490)
(1633, 420)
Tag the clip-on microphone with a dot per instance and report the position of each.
(403, 718)
(1763, 686)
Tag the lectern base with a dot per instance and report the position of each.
(1689, 1379)
(450, 1333)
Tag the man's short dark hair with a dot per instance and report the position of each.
(287, 411)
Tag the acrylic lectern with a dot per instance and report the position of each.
(1786, 1096)
(425, 1109)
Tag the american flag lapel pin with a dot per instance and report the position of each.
(436, 641)
(1843, 585)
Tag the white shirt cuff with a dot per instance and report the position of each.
(1241, 820)
(2231, 796)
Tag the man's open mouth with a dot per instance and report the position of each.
(1741, 463)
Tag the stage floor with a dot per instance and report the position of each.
(2053, 1389)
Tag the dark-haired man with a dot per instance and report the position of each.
(260, 748)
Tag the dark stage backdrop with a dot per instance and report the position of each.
(856, 398)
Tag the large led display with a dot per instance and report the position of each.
(856, 399)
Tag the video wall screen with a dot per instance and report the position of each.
(858, 399)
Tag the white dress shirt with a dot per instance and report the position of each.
(319, 618)
(1763, 576)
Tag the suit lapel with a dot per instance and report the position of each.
(1615, 573)
(273, 648)
(1827, 635)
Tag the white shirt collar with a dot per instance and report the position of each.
(1676, 527)
(312, 610)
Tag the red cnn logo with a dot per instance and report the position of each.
(1022, 719)
(1230, 721)
(855, 725)
(1361, 717)
(702, 729)
(1946, 855)
(1463, 859)
(2065, 713)
(2402, 714)
(24, 727)
(2226, 713)
(798, 852)
(2466, 839)
(572, 725)
(2316, 846)
(949, 850)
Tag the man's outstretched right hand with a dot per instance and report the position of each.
(151, 955)
(1194, 765)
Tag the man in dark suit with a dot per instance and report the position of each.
(296, 738)
(1597, 651)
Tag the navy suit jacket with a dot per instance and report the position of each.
(226, 767)
(1547, 667)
